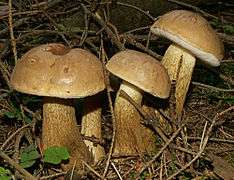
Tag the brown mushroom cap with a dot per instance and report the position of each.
(141, 70)
(192, 32)
(53, 70)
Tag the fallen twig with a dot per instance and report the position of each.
(206, 138)
(53, 176)
(95, 172)
(138, 9)
(130, 39)
(16, 24)
(212, 87)
(161, 150)
(107, 29)
(27, 175)
(195, 9)
(13, 41)
(229, 141)
(107, 83)
(227, 38)
(13, 135)
(116, 170)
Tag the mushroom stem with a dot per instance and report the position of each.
(59, 128)
(91, 126)
(131, 136)
(179, 64)
(171, 61)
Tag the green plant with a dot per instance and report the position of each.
(228, 99)
(29, 156)
(55, 155)
(186, 175)
(4, 174)
(16, 114)
(15, 111)
(227, 28)
(52, 155)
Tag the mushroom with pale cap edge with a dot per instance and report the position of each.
(139, 72)
(192, 36)
(59, 74)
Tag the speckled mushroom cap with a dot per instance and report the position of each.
(141, 70)
(192, 32)
(56, 71)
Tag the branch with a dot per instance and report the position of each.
(203, 145)
(129, 38)
(138, 9)
(195, 9)
(212, 87)
(13, 41)
(107, 29)
(161, 151)
(108, 88)
(27, 175)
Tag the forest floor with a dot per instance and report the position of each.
(202, 147)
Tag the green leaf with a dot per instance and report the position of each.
(61, 27)
(229, 100)
(29, 148)
(4, 171)
(10, 114)
(27, 164)
(28, 156)
(5, 177)
(228, 29)
(4, 174)
(55, 155)
(27, 119)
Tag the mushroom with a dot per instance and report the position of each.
(60, 74)
(192, 36)
(139, 72)
(91, 126)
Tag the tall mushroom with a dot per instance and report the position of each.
(139, 72)
(192, 36)
(59, 74)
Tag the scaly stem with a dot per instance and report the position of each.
(91, 126)
(183, 81)
(131, 136)
(179, 64)
(171, 61)
(59, 128)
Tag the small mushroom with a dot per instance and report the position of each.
(91, 126)
(139, 72)
(192, 36)
(60, 74)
